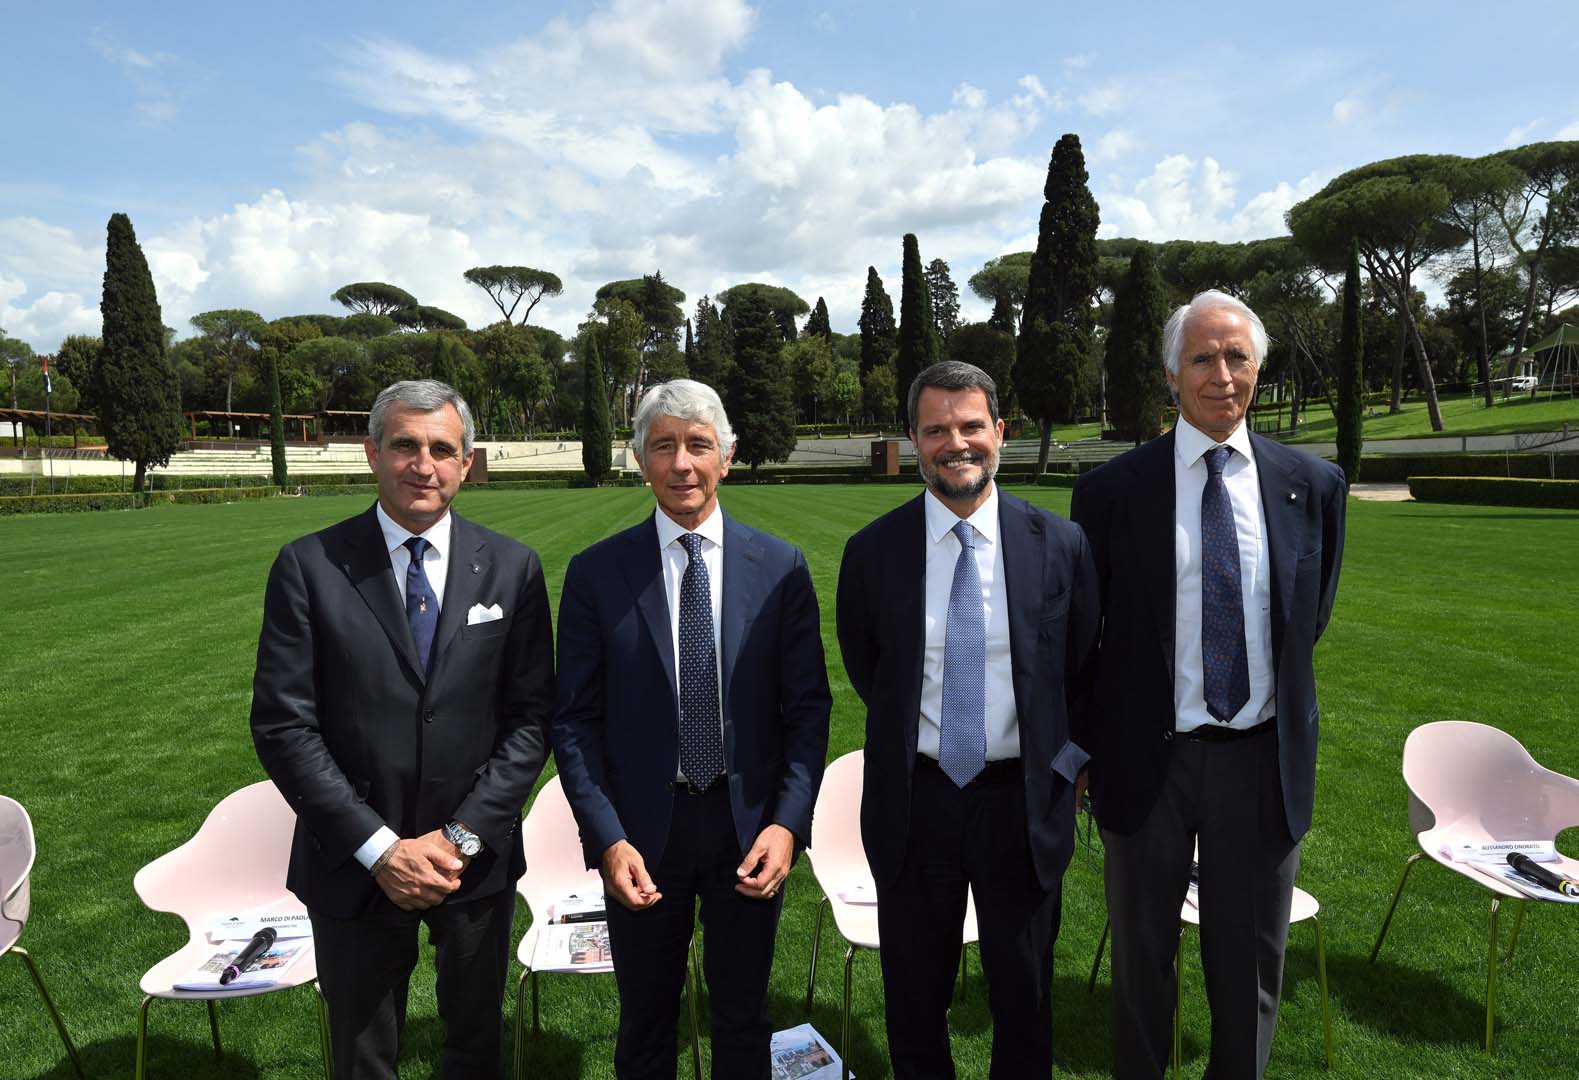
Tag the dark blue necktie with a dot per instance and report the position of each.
(701, 741)
(962, 735)
(422, 603)
(1225, 667)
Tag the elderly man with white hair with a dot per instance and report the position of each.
(1218, 553)
(690, 736)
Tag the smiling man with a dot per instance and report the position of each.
(965, 617)
(690, 737)
(1218, 554)
(405, 680)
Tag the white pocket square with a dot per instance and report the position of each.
(480, 614)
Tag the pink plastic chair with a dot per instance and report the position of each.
(555, 868)
(838, 862)
(16, 864)
(1473, 783)
(204, 880)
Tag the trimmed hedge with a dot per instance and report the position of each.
(1496, 491)
(1398, 468)
(68, 504)
(86, 485)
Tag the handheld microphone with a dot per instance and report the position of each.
(1530, 868)
(260, 944)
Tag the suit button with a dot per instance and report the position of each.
(1167, 736)
(427, 717)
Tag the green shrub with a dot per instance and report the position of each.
(1496, 491)
(1397, 468)
(69, 504)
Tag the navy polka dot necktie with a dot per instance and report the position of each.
(422, 604)
(962, 733)
(1225, 667)
(701, 740)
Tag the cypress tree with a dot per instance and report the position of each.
(944, 295)
(761, 399)
(918, 338)
(137, 391)
(276, 423)
(1002, 317)
(1056, 316)
(690, 344)
(1351, 372)
(597, 440)
(877, 324)
(1137, 390)
(818, 323)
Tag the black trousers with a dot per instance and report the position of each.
(971, 838)
(1230, 798)
(651, 947)
(364, 970)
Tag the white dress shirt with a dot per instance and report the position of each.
(675, 559)
(943, 550)
(1255, 577)
(436, 564)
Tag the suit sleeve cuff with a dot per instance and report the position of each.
(1070, 760)
(376, 845)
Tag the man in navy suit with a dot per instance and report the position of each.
(1218, 554)
(690, 735)
(966, 617)
(404, 684)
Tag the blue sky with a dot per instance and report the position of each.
(268, 155)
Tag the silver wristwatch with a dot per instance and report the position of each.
(466, 841)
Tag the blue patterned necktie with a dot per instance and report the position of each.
(1225, 667)
(422, 603)
(962, 738)
(701, 742)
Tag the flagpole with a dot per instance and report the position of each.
(48, 425)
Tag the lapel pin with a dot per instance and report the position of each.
(477, 569)
(1292, 496)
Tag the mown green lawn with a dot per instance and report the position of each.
(1461, 415)
(129, 641)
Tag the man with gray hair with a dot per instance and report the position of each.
(690, 736)
(1218, 553)
(965, 618)
(405, 679)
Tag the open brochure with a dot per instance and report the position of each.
(801, 1053)
(229, 934)
(580, 946)
(1526, 885)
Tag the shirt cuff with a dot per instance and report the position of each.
(376, 845)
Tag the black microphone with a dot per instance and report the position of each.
(1532, 869)
(261, 942)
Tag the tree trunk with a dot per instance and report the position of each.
(1047, 442)
(1427, 383)
(1395, 406)
(139, 476)
(1480, 307)
(1524, 323)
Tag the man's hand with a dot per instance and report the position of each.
(442, 842)
(625, 877)
(1081, 781)
(420, 873)
(767, 864)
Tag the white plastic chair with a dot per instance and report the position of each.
(838, 862)
(17, 851)
(1471, 783)
(555, 869)
(236, 863)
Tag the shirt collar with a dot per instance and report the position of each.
(1190, 443)
(669, 530)
(941, 520)
(396, 535)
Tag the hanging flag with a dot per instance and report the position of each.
(48, 388)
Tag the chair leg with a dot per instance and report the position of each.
(1491, 981)
(213, 1027)
(49, 1003)
(844, 1032)
(1178, 1008)
(1408, 865)
(518, 1048)
(690, 1000)
(1096, 965)
(1321, 970)
(324, 1046)
(816, 942)
(696, 969)
(142, 1037)
(1518, 921)
(537, 1025)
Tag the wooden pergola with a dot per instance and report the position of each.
(255, 418)
(40, 417)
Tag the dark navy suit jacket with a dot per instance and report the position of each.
(1126, 508)
(616, 729)
(1051, 587)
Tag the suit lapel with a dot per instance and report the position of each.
(469, 567)
(644, 574)
(366, 564)
(1283, 494)
(742, 598)
(1152, 512)
(1022, 537)
(907, 592)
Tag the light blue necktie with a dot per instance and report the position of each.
(422, 604)
(962, 740)
(1225, 667)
